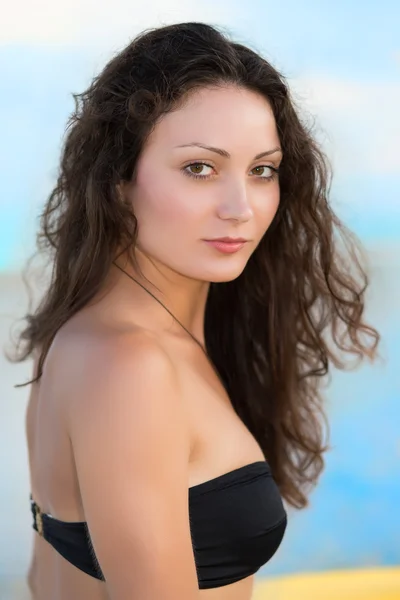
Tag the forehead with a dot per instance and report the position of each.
(227, 116)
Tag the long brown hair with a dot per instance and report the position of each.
(273, 332)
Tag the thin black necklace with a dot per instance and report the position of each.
(163, 305)
(214, 368)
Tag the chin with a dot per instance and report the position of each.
(222, 279)
(224, 275)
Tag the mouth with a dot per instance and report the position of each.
(227, 245)
(228, 240)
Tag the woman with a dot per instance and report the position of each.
(199, 292)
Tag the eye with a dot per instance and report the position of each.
(196, 170)
(269, 175)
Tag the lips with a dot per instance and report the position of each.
(227, 245)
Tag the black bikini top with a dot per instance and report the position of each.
(237, 522)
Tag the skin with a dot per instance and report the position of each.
(122, 368)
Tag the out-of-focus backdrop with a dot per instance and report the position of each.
(342, 60)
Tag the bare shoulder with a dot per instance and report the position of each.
(126, 378)
(91, 368)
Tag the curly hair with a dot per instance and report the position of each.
(297, 307)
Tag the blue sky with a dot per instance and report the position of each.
(342, 60)
(356, 40)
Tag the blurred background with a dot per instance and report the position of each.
(342, 60)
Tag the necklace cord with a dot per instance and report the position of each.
(163, 305)
(177, 320)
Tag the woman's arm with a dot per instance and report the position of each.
(130, 440)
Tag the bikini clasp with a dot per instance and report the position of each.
(39, 520)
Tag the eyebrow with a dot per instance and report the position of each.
(225, 153)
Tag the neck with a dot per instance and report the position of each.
(184, 297)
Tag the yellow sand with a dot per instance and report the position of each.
(361, 584)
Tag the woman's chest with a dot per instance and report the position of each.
(220, 440)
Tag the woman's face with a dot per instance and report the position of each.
(185, 195)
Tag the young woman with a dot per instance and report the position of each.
(201, 287)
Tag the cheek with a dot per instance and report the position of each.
(266, 207)
(164, 202)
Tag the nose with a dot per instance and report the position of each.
(235, 205)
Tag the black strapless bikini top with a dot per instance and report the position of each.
(237, 522)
